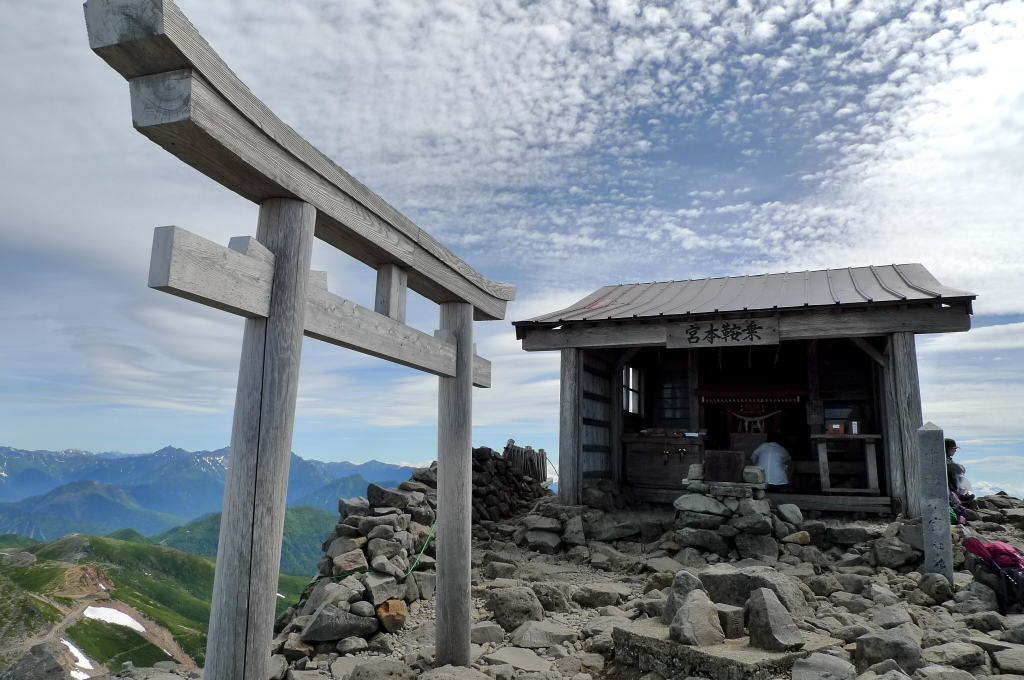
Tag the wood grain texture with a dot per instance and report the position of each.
(454, 494)
(879, 504)
(569, 427)
(893, 438)
(196, 269)
(390, 297)
(145, 37)
(908, 406)
(791, 327)
(252, 524)
(181, 112)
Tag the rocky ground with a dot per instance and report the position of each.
(722, 586)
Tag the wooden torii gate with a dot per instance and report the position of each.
(186, 99)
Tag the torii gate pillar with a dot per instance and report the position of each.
(454, 492)
(252, 523)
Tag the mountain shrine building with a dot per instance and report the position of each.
(656, 376)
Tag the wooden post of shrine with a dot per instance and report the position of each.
(252, 522)
(455, 491)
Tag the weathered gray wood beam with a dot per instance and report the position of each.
(200, 270)
(570, 425)
(455, 494)
(908, 407)
(893, 441)
(869, 349)
(140, 38)
(252, 525)
(390, 299)
(791, 327)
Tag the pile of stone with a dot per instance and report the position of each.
(378, 561)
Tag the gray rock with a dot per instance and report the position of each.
(702, 538)
(381, 669)
(380, 497)
(426, 582)
(699, 520)
(731, 619)
(1010, 660)
(384, 531)
(824, 585)
(683, 583)
(541, 634)
(351, 645)
(486, 631)
(41, 662)
(608, 529)
(572, 532)
(956, 654)
(941, 673)
(849, 534)
(893, 553)
(689, 557)
(662, 564)
(544, 542)
(727, 584)
(542, 523)
(749, 506)
(550, 597)
(790, 513)
(692, 502)
(755, 547)
(696, 622)
(936, 587)
(343, 545)
(379, 547)
(353, 507)
(512, 607)
(278, 668)
(495, 570)
(522, 659)
(604, 625)
(752, 524)
(769, 624)
(454, 673)
(891, 616)
(895, 644)
(596, 595)
(753, 475)
(819, 666)
(362, 608)
(331, 623)
(379, 588)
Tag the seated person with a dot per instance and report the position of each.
(775, 459)
(956, 474)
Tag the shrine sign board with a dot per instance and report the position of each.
(728, 333)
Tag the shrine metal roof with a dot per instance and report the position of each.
(823, 288)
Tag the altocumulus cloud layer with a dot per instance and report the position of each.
(559, 145)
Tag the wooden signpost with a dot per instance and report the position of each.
(186, 99)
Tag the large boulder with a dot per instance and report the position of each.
(545, 542)
(896, 644)
(790, 513)
(770, 625)
(751, 546)
(730, 585)
(330, 623)
(696, 622)
(694, 502)
(893, 553)
(819, 666)
(380, 497)
(683, 583)
(512, 607)
(596, 595)
(703, 538)
(541, 634)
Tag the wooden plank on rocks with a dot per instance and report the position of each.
(200, 270)
(141, 38)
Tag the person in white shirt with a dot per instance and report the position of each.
(775, 459)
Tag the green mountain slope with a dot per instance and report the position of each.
(171, 587)
(304, 531)
(81, 507)
(15, 541)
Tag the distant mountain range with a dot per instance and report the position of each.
(47, 494)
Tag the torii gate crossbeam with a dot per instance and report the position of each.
(186, 99)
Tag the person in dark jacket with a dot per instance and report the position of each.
(955, 473)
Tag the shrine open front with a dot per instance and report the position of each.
(659, 376)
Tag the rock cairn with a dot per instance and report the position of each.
(379, 560)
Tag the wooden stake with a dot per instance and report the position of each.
(392, 282)
(454, 492)
(252, 523)
(569, 427)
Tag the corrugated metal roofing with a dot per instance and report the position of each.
(860, 286)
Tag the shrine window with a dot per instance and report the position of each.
(632, 390)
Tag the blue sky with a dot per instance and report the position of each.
(557, 145)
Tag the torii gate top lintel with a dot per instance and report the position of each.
(186, 99)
